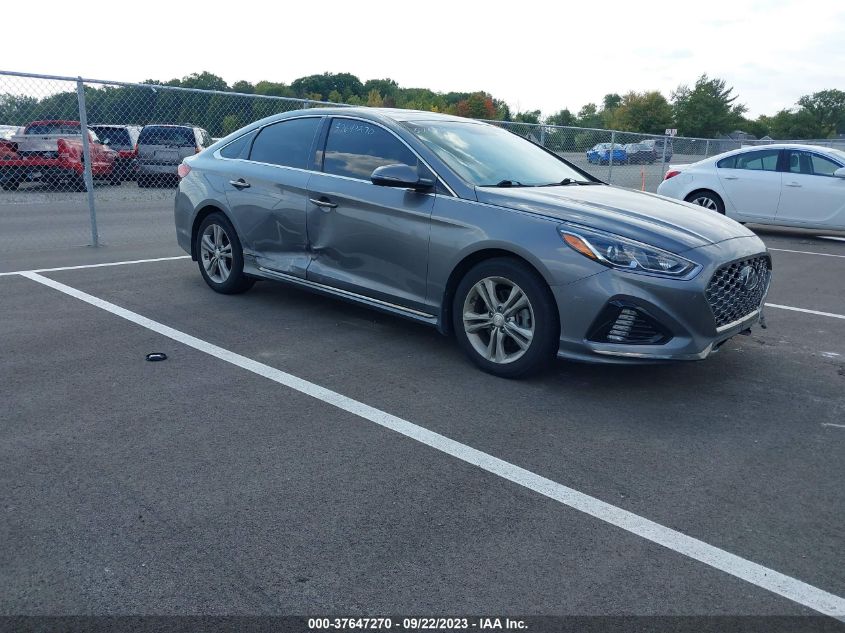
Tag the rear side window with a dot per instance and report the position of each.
(238, 148)
(178, 136)
(355, 148)
(287, 143)
(764, 160)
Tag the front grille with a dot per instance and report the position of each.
(620, 323)
(736, 289)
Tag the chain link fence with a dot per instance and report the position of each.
(114, 184)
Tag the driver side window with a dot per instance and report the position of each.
(354, 148)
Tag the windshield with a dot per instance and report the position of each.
(486, 156)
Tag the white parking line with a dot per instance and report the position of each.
(806, 311)
(769, 579)
(125, 263)
(838, 426)
(786, 250)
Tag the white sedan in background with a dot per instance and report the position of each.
(786, 185)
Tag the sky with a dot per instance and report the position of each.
(533, 55)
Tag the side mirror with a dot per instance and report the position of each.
(840, 173)
(400, 175)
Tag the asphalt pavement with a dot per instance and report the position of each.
(192, 486)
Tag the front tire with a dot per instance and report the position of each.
(707, 199)
(505, 318)
(220, 256)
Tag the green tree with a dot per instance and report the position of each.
(791, 125)
(562, 117)
(646, 112)
(532, 116)
(374, 99)
(204, 81)
(243, 87)
(707, 109)
(345, 83)
(387, 88)
(589, 116)
(827, 109)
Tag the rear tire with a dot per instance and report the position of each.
(707, 199)
(220, 256)
(505, 318)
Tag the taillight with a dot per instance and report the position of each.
(671, 174)
(183, 170)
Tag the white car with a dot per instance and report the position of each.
(786, 185)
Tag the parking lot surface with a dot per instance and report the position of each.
(196, 486)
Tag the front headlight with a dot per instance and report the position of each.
(619, 252)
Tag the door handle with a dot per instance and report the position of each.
(792, 184)
(324, 204)
(731, 177)
(240, 183)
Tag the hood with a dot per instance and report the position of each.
(663, 222)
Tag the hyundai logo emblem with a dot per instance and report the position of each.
(749, 278)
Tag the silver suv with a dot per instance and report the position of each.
(162, 147)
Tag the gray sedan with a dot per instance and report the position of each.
(473, 230)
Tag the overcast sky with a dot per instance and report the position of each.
(534, 55)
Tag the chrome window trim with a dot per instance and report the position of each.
(257, 131)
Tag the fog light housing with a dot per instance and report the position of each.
(625, 324)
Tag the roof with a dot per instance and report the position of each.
(394, 114)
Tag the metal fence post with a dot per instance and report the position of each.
(543, 136)
(707, 149)
(610, 157)
(86, 159)
(663, 160)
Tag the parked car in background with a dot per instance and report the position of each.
(657, 144)
(8, 131)
(162, 147)
(469, 228)
(600, 154)
(40, 137)
(122, 139)
(64, 167)
(639, 153)
(783, 184)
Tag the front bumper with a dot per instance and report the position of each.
(680, 307)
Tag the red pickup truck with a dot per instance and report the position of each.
(51, 152)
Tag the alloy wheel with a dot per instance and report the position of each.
(705, 201)
(498, 320)
(216, 253)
